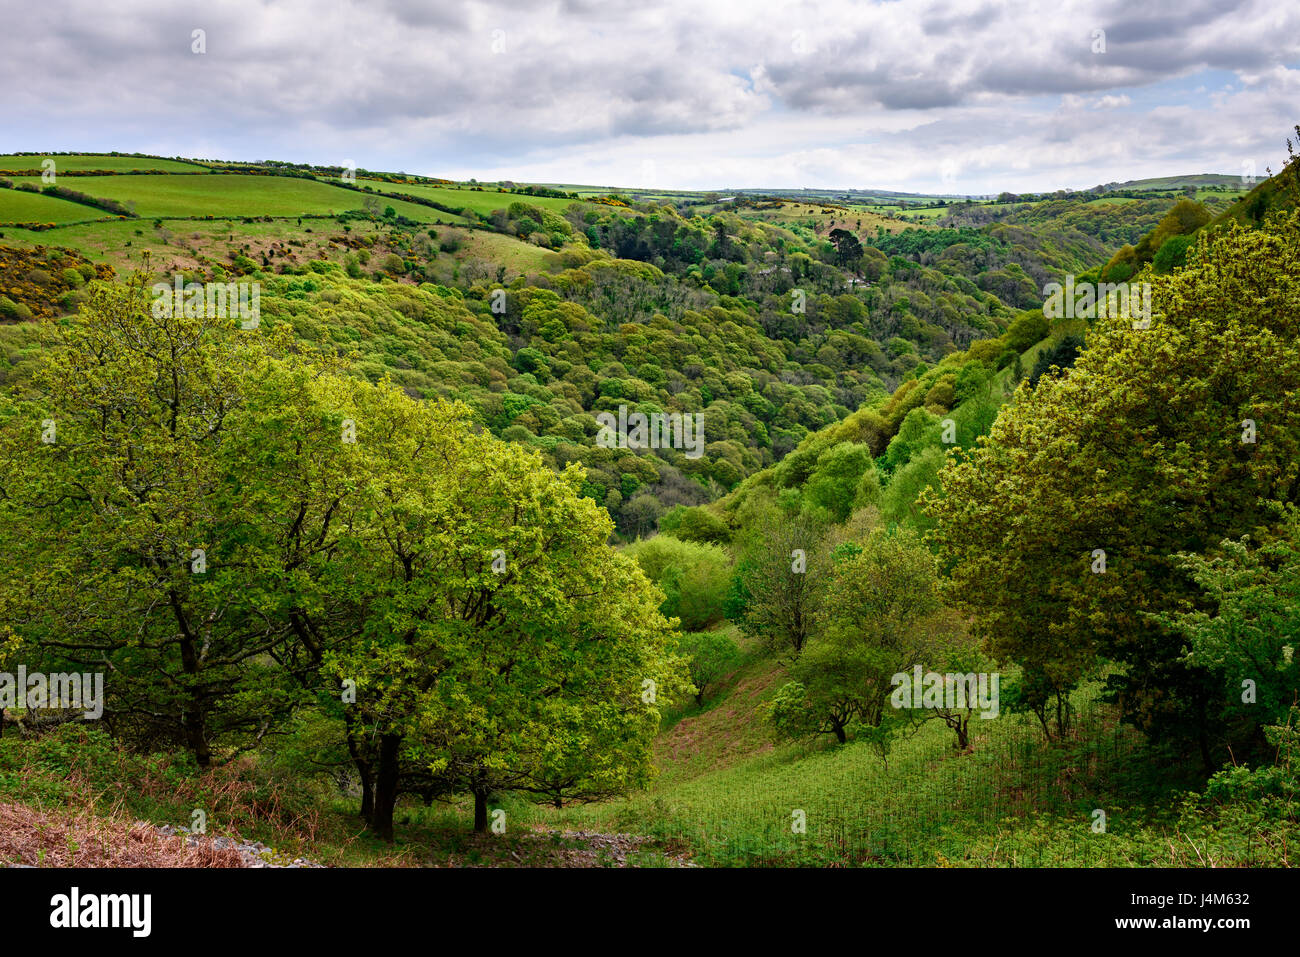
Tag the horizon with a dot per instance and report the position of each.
(872, 190)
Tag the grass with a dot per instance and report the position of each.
(728, 796)
(893, 211)
(20, 206)
(179, 242)
(499, 250)
(459, 197)
(96, 161)
(1203, 194)
(827, 217)
(122, 243)
(1228, 195)
(235, 195)
(925, 804)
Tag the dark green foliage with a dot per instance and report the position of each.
(710, 656)
(1061, 356)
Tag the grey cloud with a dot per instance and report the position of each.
(416, 79)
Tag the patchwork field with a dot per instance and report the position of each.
(85, 161)
(225, 195)
(824, 218)
(484, 201)
(20, 206)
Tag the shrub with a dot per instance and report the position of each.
(711, 656)
(694, 578)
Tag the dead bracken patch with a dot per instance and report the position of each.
(46, 839)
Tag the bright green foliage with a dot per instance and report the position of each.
(505, 645)
(835, 482)
(694, 525)
(900, 502)
(1184, 218)
(216, 524)
(1251, 631)
(694, 578)
(780, 579)
(882, 616)
(920, 429)
(1143, 451)
(1172, 253)
(129, 545)
(711, 656)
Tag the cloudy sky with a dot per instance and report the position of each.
(962, 96)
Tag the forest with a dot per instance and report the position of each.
(950, 577)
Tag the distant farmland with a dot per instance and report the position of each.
(20, 206)
(228, 195)
(84, 161)
(461, 197)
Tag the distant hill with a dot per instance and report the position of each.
(1177, 182)
(1279, 192)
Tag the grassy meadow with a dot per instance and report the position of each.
(95, 161)
(20, 206)
(234, 195)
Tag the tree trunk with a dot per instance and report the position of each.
(1202, 734)
(840, 736)
(195, 738)
(363, 772)
(480, 810)
(192, 723)
(386, 787)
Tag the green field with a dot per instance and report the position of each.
(790, 214)
(1227, 196)
(20, 206)
(14, 161)
(925, 805)
(458, 197)
(222, 195)
(514, 254)
(927, 212)
(125, 243)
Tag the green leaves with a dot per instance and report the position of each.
(1137, 451)
(232, 529)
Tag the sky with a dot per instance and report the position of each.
(948, 96)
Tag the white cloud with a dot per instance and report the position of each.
(729, 92)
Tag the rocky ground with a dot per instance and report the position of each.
(548, 847)
(252, 853)
(31, 837)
